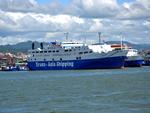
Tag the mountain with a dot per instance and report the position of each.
(25, 46)
(19, 47)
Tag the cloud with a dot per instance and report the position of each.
(138, 9)
(81, 8)
(135, 10)
(38, 22)
(23, 20)
(28, 6)
(18, 5)
(93, 8)
(11, 40)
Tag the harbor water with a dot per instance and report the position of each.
(76, 91)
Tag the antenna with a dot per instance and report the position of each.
(85, 39)
(121, 36)
(66, 34)
(99, 35)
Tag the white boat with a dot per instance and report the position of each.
(134, 59)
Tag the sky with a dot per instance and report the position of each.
(64, 2)
(48, 20)
(67, 1)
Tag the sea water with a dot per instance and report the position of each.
(76, 91)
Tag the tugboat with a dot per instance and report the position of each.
(74, 55)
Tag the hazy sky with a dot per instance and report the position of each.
(48, 20)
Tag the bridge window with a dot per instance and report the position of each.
(66, 50)
(61, 59)
(57, 50)
(80, 52)
(37, 52)
(85, 52)
(49, 51)
(45, 51)
(41, 51)
(78, 58)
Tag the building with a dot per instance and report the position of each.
(9, 59)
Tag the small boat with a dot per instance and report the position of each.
(14, 68)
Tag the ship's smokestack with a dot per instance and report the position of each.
(41, 44)
(33, 46)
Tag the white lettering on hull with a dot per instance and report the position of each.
(41, 64)
(55, 64)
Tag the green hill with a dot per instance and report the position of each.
(25, 46)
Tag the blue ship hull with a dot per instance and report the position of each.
(146, 63)
(102, 63)
(133, 63)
